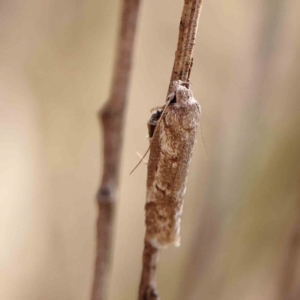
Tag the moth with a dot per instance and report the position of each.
(172, 131)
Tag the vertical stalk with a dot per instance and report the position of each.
(111, 117)
(181, 71)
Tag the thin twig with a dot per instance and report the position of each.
(148, 281)
(181, 71)
(288, 289)
(111, 117)
(186, 41)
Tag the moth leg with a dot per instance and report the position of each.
(162, 107)
(170, 97)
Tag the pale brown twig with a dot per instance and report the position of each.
(287, 287)
(181, 71)
(112, 119)
(186, 41)
(147, 289)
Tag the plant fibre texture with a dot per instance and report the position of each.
(173, 134)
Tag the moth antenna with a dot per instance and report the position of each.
(203, 142)
(142, 159)
(158, 123)
(140, 156)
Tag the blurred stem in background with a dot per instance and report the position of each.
(247, 246)
(112, 118)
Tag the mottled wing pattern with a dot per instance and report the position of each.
(170, 154)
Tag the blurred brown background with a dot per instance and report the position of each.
(240, 229)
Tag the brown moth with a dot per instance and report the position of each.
(172, 132)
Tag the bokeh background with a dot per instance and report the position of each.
(241, 226)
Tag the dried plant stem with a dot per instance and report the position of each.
(111, 118)
(186, 41)
(288, 288)
(181, 71)
(148, 280)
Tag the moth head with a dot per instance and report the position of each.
(177, 84)
(181, 93)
